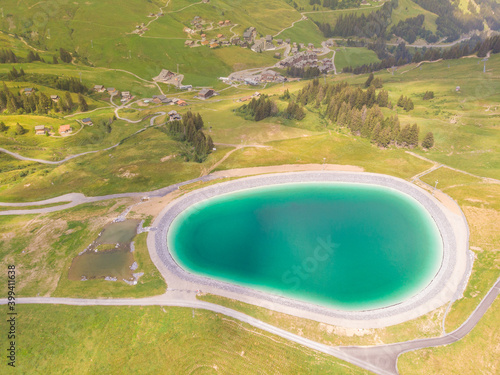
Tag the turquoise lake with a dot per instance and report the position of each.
(346, 246)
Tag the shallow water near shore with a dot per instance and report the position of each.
(110, 261)
(346, 246)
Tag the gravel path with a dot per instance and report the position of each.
(76, 199)
(447, 284)
(381, 359)
(42, 161)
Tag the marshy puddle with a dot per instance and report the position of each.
(109, 256)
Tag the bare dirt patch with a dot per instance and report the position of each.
(168, 157)
(155, 205)
(127, 173)
(239, 172)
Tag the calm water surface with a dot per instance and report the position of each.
(348, 246)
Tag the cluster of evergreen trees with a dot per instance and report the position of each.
(33, 57)
(336, 4)
(405, 103)
(13, 74)
(189, 130)
(65, 56)
(359, 110)
(335, 94)
(259, 109)
(307, 73)
(67, 84)
(72, 85)
(294, 111)
(374, 24)
(7, 56)
(403, 56)
(38, 103)
(429, 95)
(450, 22)
(490, 44)
(18, 129)
(412, 28)
(375, 82)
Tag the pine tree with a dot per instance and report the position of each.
(65, 56)
(44, 103)
(209, 145)
(190, 131)
(370, 97)
(356, 122)
(376, 132)
(428, 141)
(429, 95)
(12, 105)
(408, 105)
(413, 135)
(82, 104)
(369, 80)
(198, 122)
(401, 101)
(19, 130)
(68, 101)
(384, 138)
(383, 98)
(396, 128)
(404, 135)
(3, 127)
(378, 83)
(200, 144)
(31, 57)
(54, 60)
(286, 95)
(342, 117)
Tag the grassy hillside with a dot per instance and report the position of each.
(145, 340)
(98, 39)
(304, 32)
(353, 56)
(408, 9)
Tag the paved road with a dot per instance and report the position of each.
(385, 356)
(446, 45)
(380, 359)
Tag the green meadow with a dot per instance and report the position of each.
(409, 9)
(99, 34)
(353, 56)
(156, 339)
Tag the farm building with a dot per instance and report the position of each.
(158, 99)
(206, 93)
(99, 88)
(87, 121)
(65, 129)
(173, 116)
(41, 130)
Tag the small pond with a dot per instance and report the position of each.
(110, 256)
